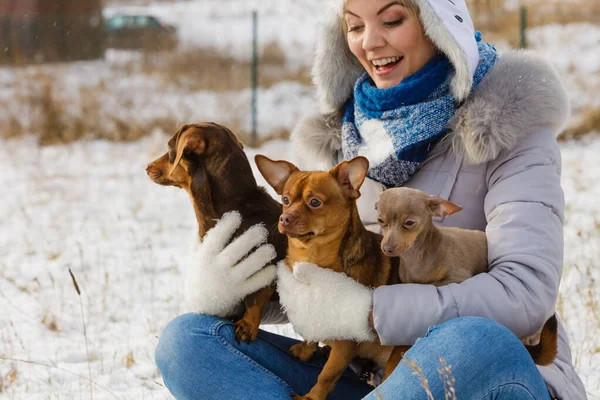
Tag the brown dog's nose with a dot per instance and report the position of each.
(389, 248)
(286, 219)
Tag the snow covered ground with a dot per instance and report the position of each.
(89, 207)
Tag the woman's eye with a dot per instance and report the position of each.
(286, 200)
(394, 23)
(354, 28)
(314, 203)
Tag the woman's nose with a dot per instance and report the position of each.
(372, 39)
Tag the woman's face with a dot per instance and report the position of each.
(388, 40)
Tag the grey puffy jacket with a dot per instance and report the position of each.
(501, 163)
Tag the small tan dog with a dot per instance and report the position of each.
(436, 255)
(429, 254)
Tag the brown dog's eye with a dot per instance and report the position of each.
(409, 224)
(314, 203)
(286, 201)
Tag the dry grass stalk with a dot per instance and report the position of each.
(493, 18)
(416, 370)
(50, 322)
(17, 360)
(60, 120)
(210, 69)
(590, 122)
(446, 376)
(87, 350)
(8, 379)
(128, 360)
(447, 379)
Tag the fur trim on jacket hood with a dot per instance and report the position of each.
(522, 93)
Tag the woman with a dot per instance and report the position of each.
(409, 85)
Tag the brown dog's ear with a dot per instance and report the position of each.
(442, 207)
(276, 173)
(351, 175)
(232, 135)
(188, 144)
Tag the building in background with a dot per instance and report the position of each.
(50, 30)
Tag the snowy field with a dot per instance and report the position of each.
(89, 206)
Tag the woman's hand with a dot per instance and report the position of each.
(323, 304)
(217, 281)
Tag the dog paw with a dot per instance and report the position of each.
(245, 331)
(304, 351)
(325, 351)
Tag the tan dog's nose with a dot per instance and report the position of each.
(148, 166)
(389, 249)
(286, 219)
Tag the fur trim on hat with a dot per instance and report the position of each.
(336, 69)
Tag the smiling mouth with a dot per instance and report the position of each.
(385, 65)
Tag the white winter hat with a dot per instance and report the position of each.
(447, 24)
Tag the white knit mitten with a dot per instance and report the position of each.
(323, 304)
(217, 281)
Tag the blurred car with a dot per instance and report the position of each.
(144, 32)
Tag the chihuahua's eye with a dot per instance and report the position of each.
(380, 221)
(315, 203)
(286, 201)
(409, 223)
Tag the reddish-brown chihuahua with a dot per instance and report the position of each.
(321, 221)
(207, 160)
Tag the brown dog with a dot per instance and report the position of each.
(436, 255)
(321, 221)
(208, 161)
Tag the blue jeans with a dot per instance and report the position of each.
(199, 358)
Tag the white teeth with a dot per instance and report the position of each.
(384, 61)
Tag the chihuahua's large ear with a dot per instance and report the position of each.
(188, 144)
(276, 173)
(351, 175)
(442, 207)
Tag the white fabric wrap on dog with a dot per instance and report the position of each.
(218, 278)
(323, 304)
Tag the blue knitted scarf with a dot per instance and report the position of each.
(395, 128)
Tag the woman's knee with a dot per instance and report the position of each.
(477, 356)
(478, 348)
(180, 336)
(477, 336)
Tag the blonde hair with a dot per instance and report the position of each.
(410, 6)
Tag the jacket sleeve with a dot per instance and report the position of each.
(524, 210)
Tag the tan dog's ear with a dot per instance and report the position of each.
(442, 207)
(276, 173)
(351, 175)
(188, 144)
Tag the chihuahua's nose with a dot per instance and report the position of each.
(286, 219)
(389, 248)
